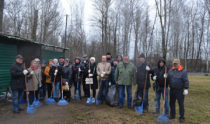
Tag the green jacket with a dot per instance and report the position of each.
(125, 76)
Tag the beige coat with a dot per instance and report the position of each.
(104, 67)
(34, 80)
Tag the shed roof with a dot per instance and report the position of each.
(30, 41)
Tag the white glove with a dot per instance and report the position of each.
(89, 71)
(55, 74)
(165, 75)
(102, 75)
(25, 72)
(79, 69)
(56, 71)
(40, 85)
(154, 78)
(32, 72)
(147, 68)
(185, 92)
(90, 75)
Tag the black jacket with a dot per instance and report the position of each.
(76, 75)
(141, 74)
(85, 66)
(159, 72)
(59, 73)
(67, 73)
(17, 77)
(93, 70)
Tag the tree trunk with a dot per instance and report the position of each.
(1, 14)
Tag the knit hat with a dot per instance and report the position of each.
(142, 55)
(93, 58)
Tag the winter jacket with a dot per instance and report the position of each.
(47, 74)
(43, 76)
(17, 77)
(76, 74)
(85, 65)
(141, 75)
(125, 74)
(159, 72)
(92, 68)
(34, 81)
(113, 74)
(104, 67)
(67, 73)
(178, 78)
(59, 73)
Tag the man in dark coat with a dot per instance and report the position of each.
(159, 76)
(179, 84)
(85, 64)
(114, 67)
(142, 69)
(17, 82)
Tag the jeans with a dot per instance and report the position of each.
(176, 94)
(146, 97)
(42, 91)
(56, 90)
(103, 89)
(121, 96)
(16, 98)
(77, 85)
(158, 97)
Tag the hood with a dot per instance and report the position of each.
(161, 60)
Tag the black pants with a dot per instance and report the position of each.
(176, 94)
(85, 89)
(88, 90)
(67, 94)
(31, 96)
(49, 89)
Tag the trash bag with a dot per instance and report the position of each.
(137, 99)
(112, 96)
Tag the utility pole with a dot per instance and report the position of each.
(65, 33)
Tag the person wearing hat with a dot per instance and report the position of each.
(66, 79)
(17, 82)
(61, 61)
(109, 58)
(43, 87)
(142, 69)
(179, 84)
(85, 63)
(77, 73)
(158, 77)
(92, 73)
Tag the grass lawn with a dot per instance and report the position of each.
(197, 110)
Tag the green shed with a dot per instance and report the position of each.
(10, 46)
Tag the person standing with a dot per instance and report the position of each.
(34, 81)
(85, 64)
(92, 73)
(55, 74)
(143, 70)
(125, 75)
(48, 78)
(179, 84)
(119, 58)
(66, 79)
(77, 72)
(17, 83)
(103, 71)
(43, 88)
(159, 76)
(61, 61)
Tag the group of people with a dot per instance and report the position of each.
(60, 74)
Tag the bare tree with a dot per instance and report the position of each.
(1, 13)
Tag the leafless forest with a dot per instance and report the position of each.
(175, 29)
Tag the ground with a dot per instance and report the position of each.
(197, 110)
